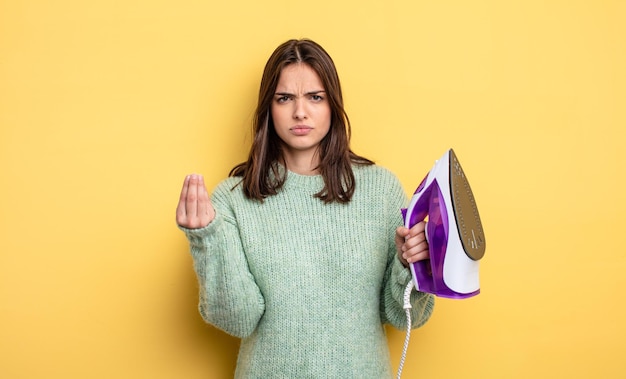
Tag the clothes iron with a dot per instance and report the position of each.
(454, 232)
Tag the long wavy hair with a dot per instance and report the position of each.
(261, 173)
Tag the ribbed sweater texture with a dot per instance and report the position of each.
(307, 286)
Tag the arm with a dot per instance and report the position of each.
(229, 296)
(422, 303)
(405, 246)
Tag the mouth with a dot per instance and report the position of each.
(301, 130)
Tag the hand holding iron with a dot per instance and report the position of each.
(411, 243)
(194, 210)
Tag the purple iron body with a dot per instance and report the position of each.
(454, 231)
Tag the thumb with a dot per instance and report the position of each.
(402, 231)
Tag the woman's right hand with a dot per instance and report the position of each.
(194, 208)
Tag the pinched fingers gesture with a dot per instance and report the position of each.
(194, 208)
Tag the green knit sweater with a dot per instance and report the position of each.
(307, 285)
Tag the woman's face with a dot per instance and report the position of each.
(300, 111)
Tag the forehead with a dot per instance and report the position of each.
(299, 76)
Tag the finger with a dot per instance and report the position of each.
(209, 212)
(402, 232)
(191, 203)
(180, 208)
(417, 253)
(415, 249)
(418, 257)
(203, 196)
(418, 228)
(415, 240)
(400, 238)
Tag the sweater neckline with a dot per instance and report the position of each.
(312, 182)
(309, 182)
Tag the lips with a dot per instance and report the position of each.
(301, 130)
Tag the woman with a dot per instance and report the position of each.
(301, 252)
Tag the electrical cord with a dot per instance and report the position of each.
(407, 308)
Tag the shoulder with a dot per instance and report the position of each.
(375, 174)
(229, 182)
(380, 189)
(228, 188)
(375, 181)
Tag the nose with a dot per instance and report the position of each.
(299, 111)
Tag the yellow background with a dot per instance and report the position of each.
(105, 106)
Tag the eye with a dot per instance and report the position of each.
(282, 99)
(317, 98)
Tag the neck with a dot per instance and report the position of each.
(302, 163)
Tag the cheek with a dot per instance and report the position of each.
(279, 115)
(327, 118)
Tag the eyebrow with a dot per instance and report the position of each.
(316, 92)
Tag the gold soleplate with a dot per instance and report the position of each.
(466, 213)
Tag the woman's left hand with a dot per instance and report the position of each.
(411, 243)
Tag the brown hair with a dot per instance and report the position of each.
(261, 173)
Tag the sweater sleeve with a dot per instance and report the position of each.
(397, 276)
(229, 297)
